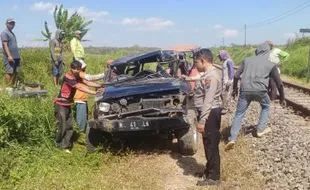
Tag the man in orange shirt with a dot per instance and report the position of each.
(80, 98)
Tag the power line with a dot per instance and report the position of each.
(276, 17)
(280, 17)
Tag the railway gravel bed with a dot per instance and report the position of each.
(282, 156)
(299, 97)
(296, 96)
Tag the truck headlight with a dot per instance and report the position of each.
(104, 107)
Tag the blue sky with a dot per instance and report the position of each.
(162, 23)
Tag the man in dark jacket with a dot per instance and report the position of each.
(56, 47)
(256, 71)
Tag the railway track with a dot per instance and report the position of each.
(297, 97)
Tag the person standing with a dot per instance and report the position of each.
(57, 55)
(80, 97)
(227, 78)
(62, 104)
(76, 47)
(255, 71)
(11, 55)
(275, 55)
(207, 102)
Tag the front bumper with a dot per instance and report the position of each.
(139, 124)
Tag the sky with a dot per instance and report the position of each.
(163, 23)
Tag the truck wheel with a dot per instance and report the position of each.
(94, 137)
(188, 138)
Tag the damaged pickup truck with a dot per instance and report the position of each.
(144, 99)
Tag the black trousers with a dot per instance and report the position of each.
(211, 141)
(63, 115)
(272, 89)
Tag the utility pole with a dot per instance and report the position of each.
(308, 75)
(306, 30)
(245, 35)
(223, 42)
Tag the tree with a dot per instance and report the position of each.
(68, 25)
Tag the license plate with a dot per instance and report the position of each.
(133, 125)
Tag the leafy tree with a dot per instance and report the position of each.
(69, 25)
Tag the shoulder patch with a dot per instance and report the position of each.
(207, 83)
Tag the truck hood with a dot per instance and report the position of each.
(139, 87)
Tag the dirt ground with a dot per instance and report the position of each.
(164, 168)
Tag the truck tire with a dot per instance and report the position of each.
(188, 138)
(94, 137)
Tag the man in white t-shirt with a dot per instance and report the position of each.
(275, 55)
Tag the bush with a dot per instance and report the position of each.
(26, 120)
(296, 65)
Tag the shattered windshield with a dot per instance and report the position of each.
(138, 70)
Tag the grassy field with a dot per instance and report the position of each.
(29, 160)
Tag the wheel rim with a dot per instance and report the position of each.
(195, 133)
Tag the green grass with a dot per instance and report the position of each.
(42, 167)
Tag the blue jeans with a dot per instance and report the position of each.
(245, 98)
(81, 115)
(57, 69)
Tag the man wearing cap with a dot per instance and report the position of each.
(76, 47)
(11, 56)
(57, 56)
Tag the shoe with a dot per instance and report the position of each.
(230, 145)
(206, 182)
(265, 131)
(250, 129)
(67, 151)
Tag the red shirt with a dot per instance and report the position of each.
(67, 90)
(193, 72)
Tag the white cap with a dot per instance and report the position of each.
(83, 63)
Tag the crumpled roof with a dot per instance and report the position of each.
(183, 47)
(142, 57)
